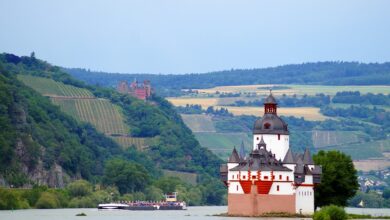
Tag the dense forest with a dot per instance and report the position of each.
(320, 73)
(36, 136)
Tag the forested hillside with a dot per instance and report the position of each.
(320, 73)
(37, 133)
(40, 144)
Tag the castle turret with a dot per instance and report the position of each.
(272, 128)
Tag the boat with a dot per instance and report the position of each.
(112, 206)
(170, 203)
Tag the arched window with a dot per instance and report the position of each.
(277, 188)
(279, 137)
(267, 126)
(288, 179)
(280, 177)
(237, 188)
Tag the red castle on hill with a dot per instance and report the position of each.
(138, 90)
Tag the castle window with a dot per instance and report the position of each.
(265, 177)
(280, 177)
(279, 137)
(277, 188)
(253, 177)
(267, 125)
(257, 138)
(244, 177)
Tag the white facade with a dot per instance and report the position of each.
(277, 143)
(304, 199)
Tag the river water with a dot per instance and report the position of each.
(201, 213)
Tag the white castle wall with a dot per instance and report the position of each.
(304, 200)
(278, 147)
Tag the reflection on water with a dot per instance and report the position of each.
(201, 213)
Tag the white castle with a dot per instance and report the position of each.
(272, 178)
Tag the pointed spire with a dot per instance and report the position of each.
(234, 158)
(307, 157)
(242, 150)
(262, 143)
(289, 158)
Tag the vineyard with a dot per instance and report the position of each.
(82, 105)
(49, 87)
(105, 116)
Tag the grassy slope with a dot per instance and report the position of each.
(222, 143)
(198, 123)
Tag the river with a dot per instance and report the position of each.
(199, 213)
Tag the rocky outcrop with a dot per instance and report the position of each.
(36, 171)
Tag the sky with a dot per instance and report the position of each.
(188, 36)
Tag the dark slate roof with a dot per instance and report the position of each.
(223, 168)
(234, 158)
(276, 125)
(261, 159)
(307, 158)
(242, 150)
(317, 170)
(299, 169)
(298, 158)
(270, 99)
(289, 158)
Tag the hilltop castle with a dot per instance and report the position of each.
(271, 178)
(138, 90)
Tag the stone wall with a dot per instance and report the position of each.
(254, 204)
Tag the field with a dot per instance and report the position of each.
(334, 138)
(199, 123)
(83, 106)
(373, 164)
(204, 102)
(185, 176)
(364, 150)
(295, 89)
(222, 143)
(309, 113)
(49, 87)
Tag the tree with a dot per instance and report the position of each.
(79, 188)
(339, 178)
(127, 176)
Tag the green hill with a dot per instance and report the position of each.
(81, 104)
(40, 144)
(173, 146)
(319, 73)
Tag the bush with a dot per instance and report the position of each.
(331, 212)
(10, 199)
(83, 202)
(47, 201)
(79, 188)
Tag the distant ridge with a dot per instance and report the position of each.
(320, 73)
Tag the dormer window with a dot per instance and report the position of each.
(267, 126)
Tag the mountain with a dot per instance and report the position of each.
(41, 137)
(320, 73)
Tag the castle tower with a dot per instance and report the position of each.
(272, 128)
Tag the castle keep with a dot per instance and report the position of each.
(271, 178)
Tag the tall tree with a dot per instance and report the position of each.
(339, 178)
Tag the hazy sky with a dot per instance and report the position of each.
(182, 36)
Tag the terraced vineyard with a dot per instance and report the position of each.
(84, 106)
(49, 87)
(105, 116)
